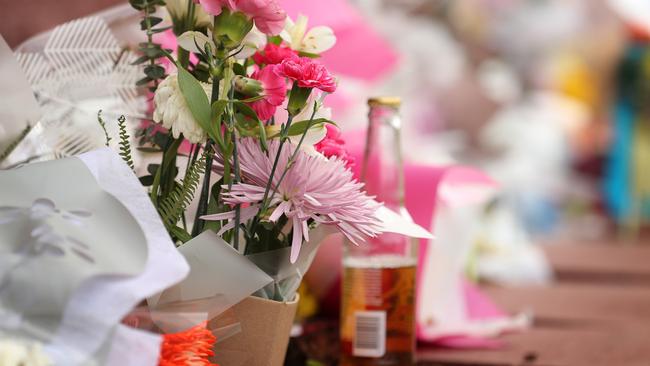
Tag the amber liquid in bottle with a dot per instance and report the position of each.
(378, 302)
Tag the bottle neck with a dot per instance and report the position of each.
(383, 170)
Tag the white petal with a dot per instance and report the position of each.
(315, 135)
(254, 40)
(190, 40)
(286, 32)
(318, 39)
(297, 32)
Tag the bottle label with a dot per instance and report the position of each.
(369, 334)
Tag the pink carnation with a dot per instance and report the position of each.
(275, 91)
(334, 146)
(307, 73)
(274, 54)
(268, 16)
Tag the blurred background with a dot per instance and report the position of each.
(550, 98)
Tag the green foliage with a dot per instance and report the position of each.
(146, 5)
(298, 128)
(172, 208)
(125, 144)
(196, 99)
(5, 154)
(151, 51)
(102, 124)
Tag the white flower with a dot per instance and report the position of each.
(315, 41)
(254, 40)
(177, 9)
(172, 111)
(19, 353)
(195, 42)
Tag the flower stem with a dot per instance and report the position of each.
(283, 140)
(237, 172)
(295, 152)
(205, 189)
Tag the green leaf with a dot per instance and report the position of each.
(145, 149)
(239, 69)
(263, 143)
(252, 99)
(218, 108)
(298, 128)
(143, 81)
(140, 60)
(154, 71)
(195, 97)
(246, 110)
(180, 234)
(153, 168)
(214, 207)
(147, 180)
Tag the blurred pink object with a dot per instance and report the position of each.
(426, 186)
(359, 51)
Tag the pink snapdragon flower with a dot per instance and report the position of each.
(308, 73)
(274, 54)
(334, 146)
(268, 16)
(275, 91)
(322, 190)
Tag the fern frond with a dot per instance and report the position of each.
(102, 124)
(171, 209)
(125, 144)
(4, 154)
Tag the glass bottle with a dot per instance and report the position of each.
(378, 302)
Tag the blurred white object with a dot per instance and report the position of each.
(18, 107)
(443, 308)
(505, 252)
(15, 352)
(531, 156)
(634, 12)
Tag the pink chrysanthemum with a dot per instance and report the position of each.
(308, 73)
(275, 91)
(272, 54)
(268, 16)
(315, 188)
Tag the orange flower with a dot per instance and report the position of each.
(192, 347)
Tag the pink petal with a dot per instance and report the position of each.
(296, 243)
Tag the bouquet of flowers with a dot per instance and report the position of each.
(242, 97)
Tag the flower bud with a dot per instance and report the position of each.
(297, 99)
(230, 28)
(249, 87)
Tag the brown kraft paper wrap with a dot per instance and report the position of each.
(265, 329)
